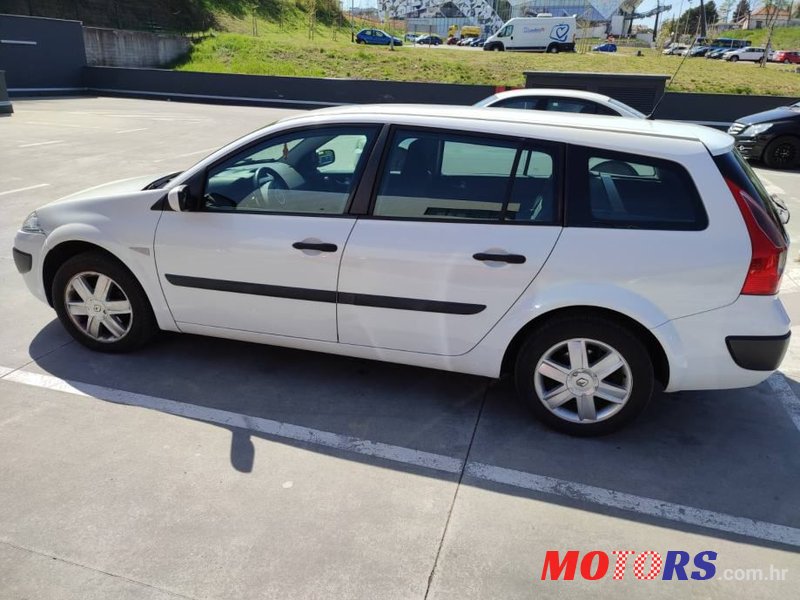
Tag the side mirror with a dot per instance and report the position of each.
(177, 198)
(326, 157)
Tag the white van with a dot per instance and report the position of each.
(542, 33)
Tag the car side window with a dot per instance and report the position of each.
(312, 171)
(432, 175)
(571, 105)
(524, 103)
(611, 189)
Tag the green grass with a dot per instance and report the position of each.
(289, 51)
(783, 38)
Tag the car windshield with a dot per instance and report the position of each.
(627, 108)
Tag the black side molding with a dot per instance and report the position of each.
(22, 260)
(758, 353)
(330, 296)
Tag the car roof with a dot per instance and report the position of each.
(715, 141)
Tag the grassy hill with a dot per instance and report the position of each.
(287, 48)
(783, 38)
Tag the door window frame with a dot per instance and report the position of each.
(367, 199)
(197, 183)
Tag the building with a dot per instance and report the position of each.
(764, 17)
(491, 14)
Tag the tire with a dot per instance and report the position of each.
(733, 58)
(552, 49)
(602, 339)
(786, 61)
(115, 328)
(783, 152)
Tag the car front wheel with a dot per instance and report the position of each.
(584, 376)
(101, 304)
(783, 152)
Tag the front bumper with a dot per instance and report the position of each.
(27, 253)
(751, 147)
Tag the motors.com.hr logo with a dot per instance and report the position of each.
(647, 565)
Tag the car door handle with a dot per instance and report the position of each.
(514, 259)
(321, 246)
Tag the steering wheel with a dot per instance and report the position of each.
(268, 192)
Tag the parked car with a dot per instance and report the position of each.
(460, 249)
(697, 51)
(749, 53)
(673, 49)
(429, 39)
(478, 42)
(411, 37)
(716, 53)
(466, 41)
(786, 56)
(559, 100)
(772, 136)
(607, 47)
(376, 36)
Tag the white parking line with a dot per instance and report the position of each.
(788, 398)
(638, 504)
(40, 144)
(25, 189)
(132, 130)
(548, 485)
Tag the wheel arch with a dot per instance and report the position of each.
(654, 348)
(61, 253)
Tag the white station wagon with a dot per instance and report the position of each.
(592, 257)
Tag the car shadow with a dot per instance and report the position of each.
(731, 452)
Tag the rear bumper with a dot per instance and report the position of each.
(758, 353)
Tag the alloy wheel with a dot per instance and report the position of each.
(583, 381)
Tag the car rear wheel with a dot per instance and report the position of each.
(553, 49)
(101, 304)
(783, 152)
(733, 58)
(584, 376)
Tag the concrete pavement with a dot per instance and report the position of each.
(205, 468)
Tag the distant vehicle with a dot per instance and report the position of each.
(467, 31)
(786, 56)
(716, 53)
(377, 37)
(410, 37)
(543, 33)
(772, 136)
(697, 51)
(674, 49)
(752, 54)
(430, 39)
(607, 47)
(466, 41)
(574, 101)
(478, 43)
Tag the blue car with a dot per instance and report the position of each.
(376, 36)
(607, 47)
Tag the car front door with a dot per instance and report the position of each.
(260, 252)
(459, 226)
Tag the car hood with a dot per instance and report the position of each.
(783, 113)
(120, 186)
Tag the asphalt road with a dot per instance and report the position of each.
(204, 468)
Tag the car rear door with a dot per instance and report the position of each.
(460, 225)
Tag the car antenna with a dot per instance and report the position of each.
(675, 74)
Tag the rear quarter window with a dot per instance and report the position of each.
(620, 190)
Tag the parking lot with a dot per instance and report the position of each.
(205, 468)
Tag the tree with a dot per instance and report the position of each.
(725, 9)
(741, 11)
(689, 20)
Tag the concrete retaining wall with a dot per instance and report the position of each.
(118, 48)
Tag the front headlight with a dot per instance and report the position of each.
(31, 224)
(756, 129)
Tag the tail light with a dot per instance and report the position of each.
(769, 247)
